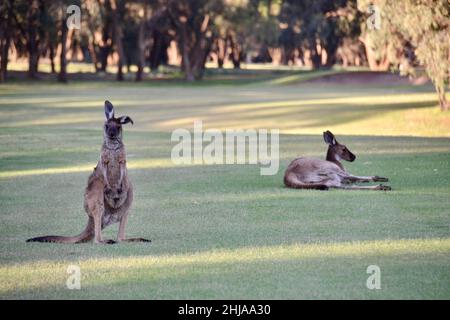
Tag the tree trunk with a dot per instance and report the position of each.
(6, 42)
(117, 36)
(330, 50)
(204, 49)
(443, 103)
(128, 64)
(119, 69)
(62, 75)
(374, 64)
(93, 54)
(104, 47)
(287, 54)
(141, 48)
(147, 27)
(33, 55)
(32, 43)
(301, 56)
(316, 58)
(2, 56)
(104, 53)
(52, 57)
(193, 40)
(186, 63)
(156, 50)
(235, 52)
(91, 43)
(263, 55)
(331, 59)
(33, 63)
(221, 51)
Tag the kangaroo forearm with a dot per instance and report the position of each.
(123, 170)
(105, 177)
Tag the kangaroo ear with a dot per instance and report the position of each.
(125, 120)
(109, 110)
(329, 138)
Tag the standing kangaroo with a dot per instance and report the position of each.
(311, 173)
(109, 192)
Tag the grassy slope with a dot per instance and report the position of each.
(225, 231)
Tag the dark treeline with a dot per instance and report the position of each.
(190, 33)
(140, 32)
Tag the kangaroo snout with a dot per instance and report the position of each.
(112, 131)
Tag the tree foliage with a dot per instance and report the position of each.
(415, 30)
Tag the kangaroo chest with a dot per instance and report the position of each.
(114, 163)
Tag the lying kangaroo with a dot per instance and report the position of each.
(310, 173)
(109, 192)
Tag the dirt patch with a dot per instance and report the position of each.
(369, 78)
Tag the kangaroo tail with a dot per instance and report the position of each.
(85, 236)
(55, 239)
(291, 181)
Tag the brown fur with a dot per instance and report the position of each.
(311, 173)
(109, 192)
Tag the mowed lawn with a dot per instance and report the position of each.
(224, 231)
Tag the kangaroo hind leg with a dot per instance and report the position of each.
(121, 236)
(356, 187)
(95, 208)
(355, 179)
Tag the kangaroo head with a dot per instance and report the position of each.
(337, 151)
(113, 126)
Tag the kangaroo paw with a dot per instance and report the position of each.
(380, 179)
(136, 240)
(108, 241)
(383, 187)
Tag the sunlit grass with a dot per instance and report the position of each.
(136, 164)
(305, 109)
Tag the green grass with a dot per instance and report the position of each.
(225, 231)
